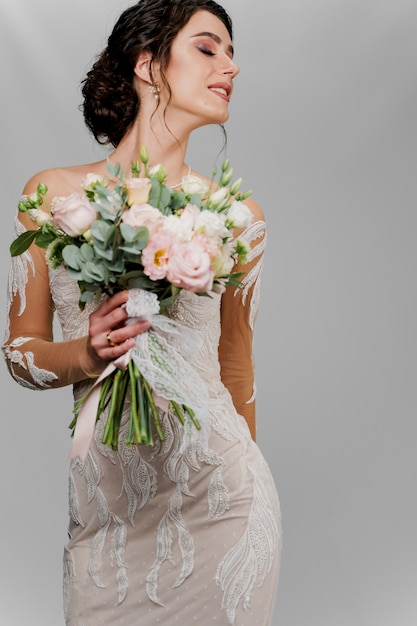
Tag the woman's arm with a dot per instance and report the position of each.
(238, 314)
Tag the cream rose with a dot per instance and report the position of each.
(138, 190)
(73, 214)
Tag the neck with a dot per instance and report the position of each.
(163, 147)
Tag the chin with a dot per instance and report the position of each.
(220, 118)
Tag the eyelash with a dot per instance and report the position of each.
(206, 51)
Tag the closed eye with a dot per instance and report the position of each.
(209, 53)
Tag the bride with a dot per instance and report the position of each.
(164, 534)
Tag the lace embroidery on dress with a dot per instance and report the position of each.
(69, 576)
(41, 377)
(18, 278)
(255, 231)
(106, 519)
(251, 559)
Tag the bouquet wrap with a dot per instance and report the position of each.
(161, 355)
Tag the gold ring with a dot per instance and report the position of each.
(110, 342)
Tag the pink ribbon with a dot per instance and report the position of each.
(86, 420)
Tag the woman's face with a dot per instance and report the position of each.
(201, 70)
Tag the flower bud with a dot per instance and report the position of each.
(235, 187)
(144, 156)
(135, 168)
(226, 178)
(225, 165)
(217, 199)
(42, 189)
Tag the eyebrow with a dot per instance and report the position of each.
(215, 38)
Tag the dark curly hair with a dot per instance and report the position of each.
(110, 102)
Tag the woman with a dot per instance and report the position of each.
(163, 534)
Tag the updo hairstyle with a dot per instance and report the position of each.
(110, 101)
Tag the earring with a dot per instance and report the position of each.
(155, 90)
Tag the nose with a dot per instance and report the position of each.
(229, 67)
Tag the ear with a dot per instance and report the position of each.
(145, 68)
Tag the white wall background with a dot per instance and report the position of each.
(324, 130)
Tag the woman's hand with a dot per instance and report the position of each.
(108, 336)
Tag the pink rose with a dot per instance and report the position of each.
(190, 267)
(138, 190)
(143, 215)
(73, 214)
(156, 257)
(208, 244)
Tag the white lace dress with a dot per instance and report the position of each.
(163, 535)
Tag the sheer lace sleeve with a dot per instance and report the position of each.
(238, 315)
(34, 359)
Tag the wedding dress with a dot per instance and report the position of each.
(167, 534)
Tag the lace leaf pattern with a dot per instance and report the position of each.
(19, 271)
(26, 360)
(257, 230)
(251, 559)
(20, 268)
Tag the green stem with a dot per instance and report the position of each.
(154, 410)
(191, 413)
(108, 429)
(133, 403)
(178, 411)
(143, 434)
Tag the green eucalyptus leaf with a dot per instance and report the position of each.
(95, 273)
(131, 234)
(72, 257)
(177, 200)
(196, 199)
(77, 275)
(102, 233)
(87, 252)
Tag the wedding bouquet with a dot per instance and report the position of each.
(136, 233)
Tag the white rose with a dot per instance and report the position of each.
(239, 215)
(91, 179)
(192, 185)
(182, 226)
(223, 263)
(211, 224)
(40, 217)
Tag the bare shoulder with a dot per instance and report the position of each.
(62, 181)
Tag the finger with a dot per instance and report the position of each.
(121, 334)
(114, 302)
